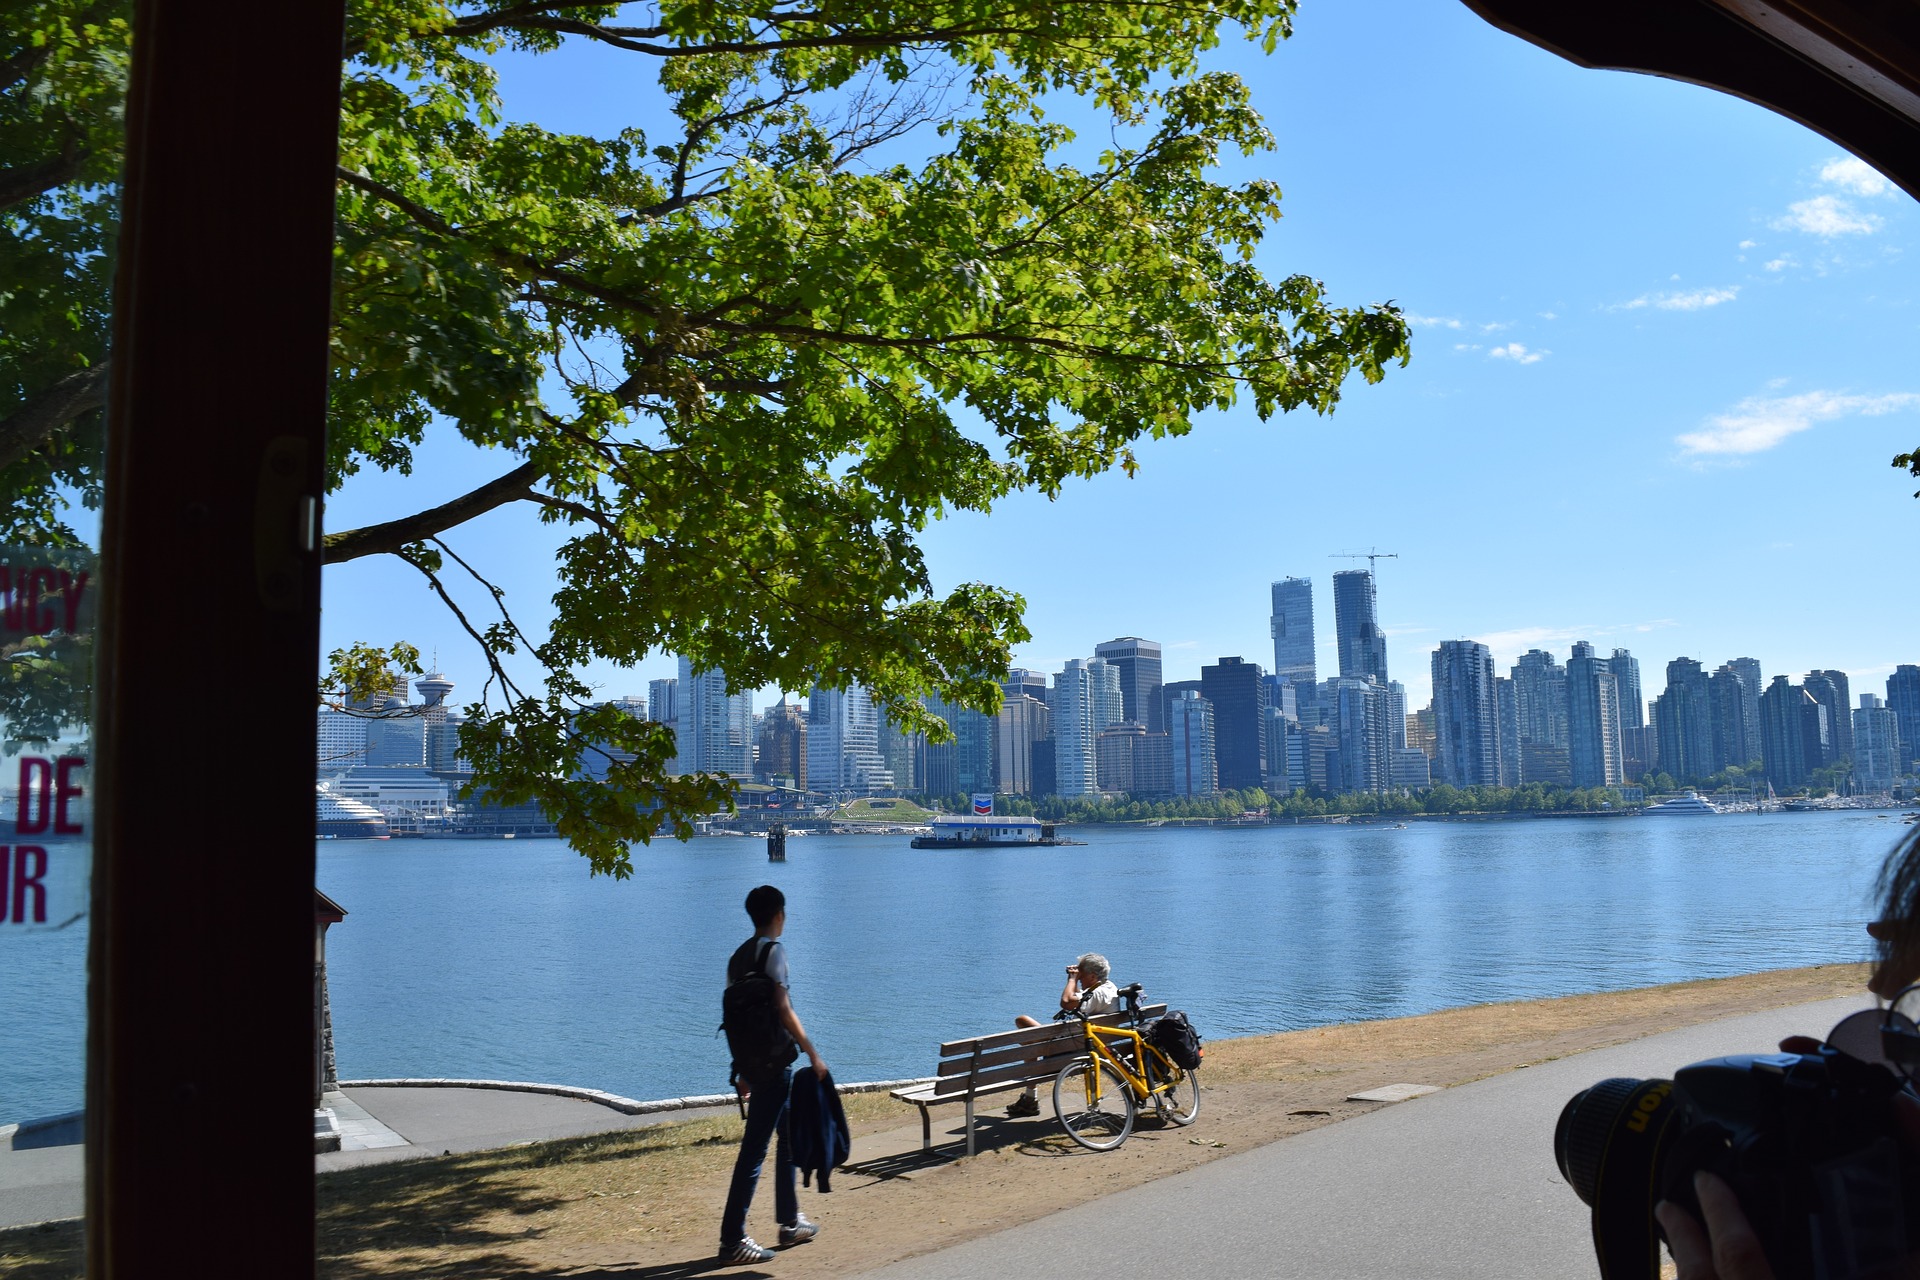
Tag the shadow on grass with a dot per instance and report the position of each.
(460, 1215)
(46, 1251)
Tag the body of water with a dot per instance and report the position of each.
(503, 959)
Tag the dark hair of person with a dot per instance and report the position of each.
(1899, 894)
(763, 904)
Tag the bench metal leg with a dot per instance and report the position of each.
(926, 1129)
(969, 1124)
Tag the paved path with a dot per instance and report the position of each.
(1460, 1183)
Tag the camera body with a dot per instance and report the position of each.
(1806, 1141)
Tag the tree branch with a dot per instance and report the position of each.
(375, 539)
(24, 182)
(42, 417)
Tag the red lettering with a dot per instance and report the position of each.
(65, 789)
(36, 796)
(29, 870)
(38, 618)
(71, 589)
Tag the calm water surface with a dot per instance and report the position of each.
(504, 959)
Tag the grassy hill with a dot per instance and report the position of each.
(883, 811)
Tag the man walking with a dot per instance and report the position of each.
(763, 1079)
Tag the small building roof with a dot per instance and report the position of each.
(326, 910)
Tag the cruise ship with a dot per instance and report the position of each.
(341, 818)
(1690, 803)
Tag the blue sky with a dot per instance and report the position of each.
(1662, 358)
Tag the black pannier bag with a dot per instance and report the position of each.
(1174, 1036)
(750, 1012)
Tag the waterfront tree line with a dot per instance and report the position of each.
(1532, 798)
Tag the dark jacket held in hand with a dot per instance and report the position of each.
(817, 1125)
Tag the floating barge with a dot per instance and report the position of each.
(967, 831)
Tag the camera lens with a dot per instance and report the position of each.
(1586, 1123)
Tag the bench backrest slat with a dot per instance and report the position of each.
(1044, 1068)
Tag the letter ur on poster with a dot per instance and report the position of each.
(47, 597)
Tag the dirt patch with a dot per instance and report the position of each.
(646, 1203)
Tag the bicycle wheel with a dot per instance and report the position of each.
(1094, 1104)
(1180, 1102)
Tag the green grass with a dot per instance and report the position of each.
(886, 811)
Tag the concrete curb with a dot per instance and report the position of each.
(625, 1106)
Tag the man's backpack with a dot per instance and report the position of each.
(750, 1015)
(1174, 1036)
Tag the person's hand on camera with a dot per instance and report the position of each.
(1726, 1248)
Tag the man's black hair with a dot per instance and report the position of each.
(763, 904)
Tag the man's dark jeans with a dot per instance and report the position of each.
(766, 1114)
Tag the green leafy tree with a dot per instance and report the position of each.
(858, 281)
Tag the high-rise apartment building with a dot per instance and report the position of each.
(899, 751)
(1594, 756)
(1507, 704)
(1903, 699)
(1075, 728)
(1138, 664)
(1684, 718)
(1794, 734)
(1190, 737)
(1360, 712)
(843, 743)
(1752, 682)
(1170, 692)
(1292, 628)
(715, 733)
(1356, 624)
(1540, 704)
(1876, 745)
(1023, 721)
(1020, 680)
(1829, 689)
(1626, 679)
(1732, 731)
(662, 703)
(1134, 761)
(1239, 697)
(342, 742)
(1109, 703)
(1466, 715)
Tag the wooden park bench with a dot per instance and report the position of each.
(1000, 1062)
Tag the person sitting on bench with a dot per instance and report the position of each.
(1090, 991)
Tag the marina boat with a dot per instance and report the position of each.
(966, 831)
(1690, 803)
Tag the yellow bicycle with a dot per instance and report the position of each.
(1096, 1096)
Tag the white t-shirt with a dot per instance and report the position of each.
(1104, 998)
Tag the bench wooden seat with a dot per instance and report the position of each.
(1002, 1061)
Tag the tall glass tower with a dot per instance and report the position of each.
(1356, 624)
(1292, 628)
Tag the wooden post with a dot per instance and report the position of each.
(200, 991)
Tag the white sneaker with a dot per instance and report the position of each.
(747, 1251)
(799, 1231)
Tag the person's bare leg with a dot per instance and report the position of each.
(1022, 1020)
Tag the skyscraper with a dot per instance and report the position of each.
(1138, 662)
(1109, 703)
(1793, 734)
(972, 745)
(1292, 628)
(1594, 758)
(1360, 710)
(1021, 723)
(1508, 709)
(1684, 714)
(1540, 706)
(1626, 678)
(783, 745)
(1903, 699)
(1748, 669)
(1732, 730)
(1466, 715)
(1239, 698)
(715, 733)
(1190, 734)
(843, 742)
(1876, 745)
(1076, 766)
(1829, 689)
(1356, 624)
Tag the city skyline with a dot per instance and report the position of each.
(1649, 322)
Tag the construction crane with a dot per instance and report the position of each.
(1369, 555)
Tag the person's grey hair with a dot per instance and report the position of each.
(1096, 962)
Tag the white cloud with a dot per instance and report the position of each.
(1827, 217)
(1509, 645)
(1855, 176)
(1758, 423)
(1548, 315)
(1781, 263)
(1518, 354)
(1466, 346)
(1690, 300)
(1749, 244)
(1419, 321)
(1495, 327)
